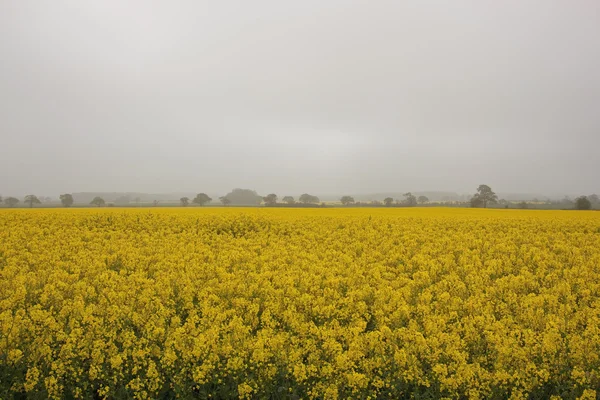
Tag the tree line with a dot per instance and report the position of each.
(483, 198)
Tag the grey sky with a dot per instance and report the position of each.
(293, 96)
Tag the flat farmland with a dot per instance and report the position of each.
(299, 303)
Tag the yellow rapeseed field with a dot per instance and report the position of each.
(288, 303)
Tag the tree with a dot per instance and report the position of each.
(32, 199)
(410, 200)
(98, 201)
(270, 199)
(486, 195)
(155, 203)
(244, 197)
(288, 199)
(582, 203)
(11, 201)
(476, 202)
(347, 200)
(184, 201)
(225, 200)
(201, 199)
(594, 199)
(308, 199)
(66, 200)
(523, 205)
(423, 199)
(388, 201)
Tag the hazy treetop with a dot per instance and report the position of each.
(321, 96)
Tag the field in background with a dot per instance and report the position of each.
(299, 303)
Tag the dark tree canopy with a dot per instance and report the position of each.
(484, 196)
(347, 200)
(423, 199)
(388, 201)
(308, 199)
(184, 201)
(410, 199)
(11, 201)
(66, 199)
(32, 199)
(270, 199)
(244, 197)
(288, 200)
(98, 201)
(201, 199)
(583, 203)
(225, 200)
(476, 202)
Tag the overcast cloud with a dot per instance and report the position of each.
(299, 96)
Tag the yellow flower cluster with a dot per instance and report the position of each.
(309, 303)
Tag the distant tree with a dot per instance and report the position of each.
(375, 203)
(155, 203)
(566, 201)
(244, 197)
(11, 201)
(270, 199)
(583, 203)
(184, 201)
(1, 200)
(66, 200)
(98, 201)
(201, 199)
(225, 200)
(594, 199)
(423, 199)
(476, 202)
(410, 200)
(388, 201)
(485, 196)
(288, 200)
(308, 199)
(32, 199)
(523, 205)
(347, 200)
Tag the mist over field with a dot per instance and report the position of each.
(335, 97)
